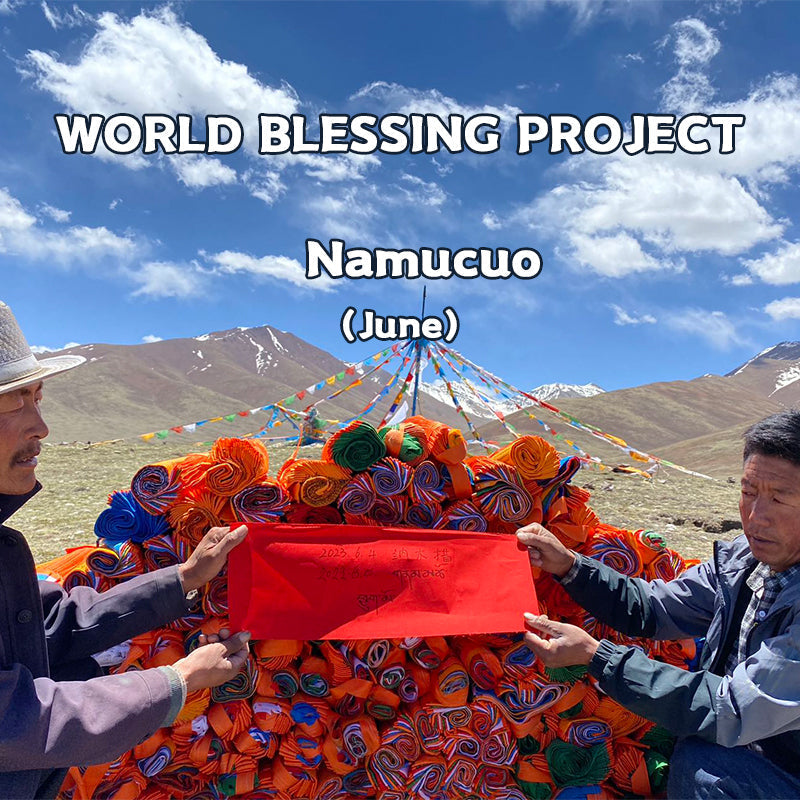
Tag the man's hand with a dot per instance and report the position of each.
(215, 663)
(561, 645)
(209, 556)
(545, 550)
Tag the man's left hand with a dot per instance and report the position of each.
(561, 645)
(209, 556)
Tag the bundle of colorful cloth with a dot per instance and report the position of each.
(430, 718)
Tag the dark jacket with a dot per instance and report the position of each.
(759, 702)
(55, 708)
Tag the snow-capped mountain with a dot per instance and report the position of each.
(482, 401)
(773, 372)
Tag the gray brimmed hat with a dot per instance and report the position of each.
(18, 366)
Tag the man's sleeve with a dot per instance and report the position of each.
(676, 609)
(82, 622)
(757, 701)
(47, 724)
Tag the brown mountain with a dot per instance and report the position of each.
(125, 390)
(696, 423)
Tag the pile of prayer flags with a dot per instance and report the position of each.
(436, 717)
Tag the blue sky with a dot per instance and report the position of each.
(656, 267)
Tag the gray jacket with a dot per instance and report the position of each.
(56, 709)
(759, 702)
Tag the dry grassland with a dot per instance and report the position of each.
(77, 480)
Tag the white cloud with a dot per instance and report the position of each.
(280, 268)
(623, 206)
(686, 92)
(160, 279)
(265, 185)
(740, 280)
(65, 19)
(583, 11)
(150, 338)
(199, 171)
(423, 193)
(9, 6)
(491, 221)
(330, 168)
(400, 99)
(114, 203)
(441, 169)
(155, 62)
(348, 214)
(679, 204)
(40, 348)
(787, 308)
(616, 256)
(21, 235)
(56, 214)
(694, 42)
(713, 326)
(13, 217)
(778, 268)
(768, 146)
(622, 317)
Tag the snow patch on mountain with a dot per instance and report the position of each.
(484, 402)
(552, 391)
(783, 351)
(785, 378)
(278, 345)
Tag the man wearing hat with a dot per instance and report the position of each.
(56, 708)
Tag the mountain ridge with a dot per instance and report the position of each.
(126, 390)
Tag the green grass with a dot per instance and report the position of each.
(77, 480)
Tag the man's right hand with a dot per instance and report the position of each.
(215, 663)
(545, 550)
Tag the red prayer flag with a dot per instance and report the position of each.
(290, 581)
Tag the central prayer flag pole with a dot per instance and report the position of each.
(419, 346)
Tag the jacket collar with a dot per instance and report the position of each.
(733, 556)
(11, 503)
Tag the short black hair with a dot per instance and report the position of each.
(777, 435)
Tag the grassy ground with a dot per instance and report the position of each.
(77, 480)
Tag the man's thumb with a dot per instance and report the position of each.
(237, 642)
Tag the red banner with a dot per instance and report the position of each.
(362, 582)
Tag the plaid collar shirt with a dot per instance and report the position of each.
(766, 586)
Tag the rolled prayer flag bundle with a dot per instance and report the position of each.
(315, 483)
(358, 496)
(355, 447)
(501, 496)
(238, 463)
(406, 441)
(126, 520)
(462, 515)
(390, 476)
(193, 516)
(264, 502)
(158, 486)
(534, 458)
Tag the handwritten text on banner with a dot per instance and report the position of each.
(362, 582)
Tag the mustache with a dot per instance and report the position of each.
(27, 453)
